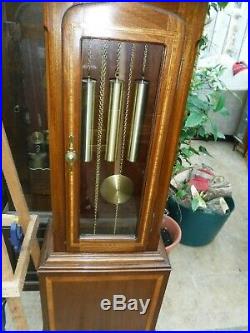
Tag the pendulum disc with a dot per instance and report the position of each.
(117, 189)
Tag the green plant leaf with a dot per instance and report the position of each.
(214, 130)
(195, 151)
(222, 5)
(220, 135)
(201, 132)
(224, 112)
(216, 133)
(181, 194)
(194, 119)
(203, 150)
(203, 42)
(220, 103)
(178, 167)
(195, 204)
(187, 152)
(187, 134)
(194, 100)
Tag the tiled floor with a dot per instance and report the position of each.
(207, 289)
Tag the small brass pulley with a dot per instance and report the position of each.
(71, 155)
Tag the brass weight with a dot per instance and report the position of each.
(38, 161)
(114, 117)
(141, 93)
(88, 98)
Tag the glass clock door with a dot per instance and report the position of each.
(117, 84)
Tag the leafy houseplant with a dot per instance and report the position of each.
(205, 98)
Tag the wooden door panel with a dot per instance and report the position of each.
(74, 300)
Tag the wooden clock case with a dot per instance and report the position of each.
(76, 274)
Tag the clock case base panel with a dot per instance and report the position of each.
(72, 286)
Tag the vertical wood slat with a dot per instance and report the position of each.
(14, 186)
(6, 265)
(15, 189)
(17, 313)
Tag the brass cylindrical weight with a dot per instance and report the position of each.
(88, 112)
(114, 117)
(141, 92)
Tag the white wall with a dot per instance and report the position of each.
(227, 32)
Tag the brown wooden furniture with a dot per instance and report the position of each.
(96, 249)
(13, 281)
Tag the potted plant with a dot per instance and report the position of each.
(186, 204)
(204, 100)
(199, 227)
(201, 203)
(170, 232)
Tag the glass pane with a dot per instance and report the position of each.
(24, 106)
(119, 87)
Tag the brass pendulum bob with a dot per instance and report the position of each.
(114, 117)
(88, 98)
(117, 189)
(141, 92)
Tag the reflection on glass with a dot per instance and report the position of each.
(24, 107)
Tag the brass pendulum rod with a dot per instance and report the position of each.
(100, 129)
(114, 113)
(124, 133)
(88, 100)
(141, 93)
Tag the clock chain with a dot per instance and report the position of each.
(131, 66)
(100, 130)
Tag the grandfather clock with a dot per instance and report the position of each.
(117, 77)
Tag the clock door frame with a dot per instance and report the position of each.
(193, 15)
(118, 22)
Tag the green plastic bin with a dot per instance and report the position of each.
(198, 228)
